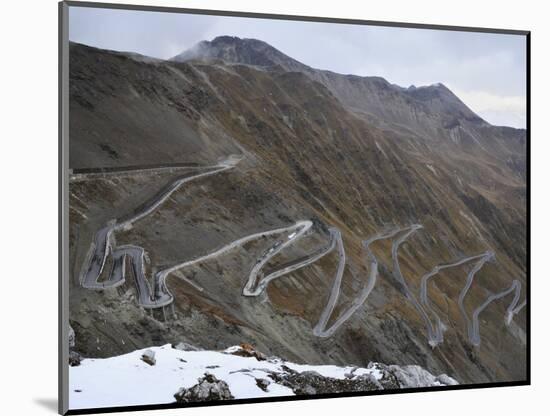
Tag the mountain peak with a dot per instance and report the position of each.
(365, 93)
(440, 97)
(232, 49)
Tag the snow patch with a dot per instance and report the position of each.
(126, 380)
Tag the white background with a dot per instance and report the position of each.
(28, 255)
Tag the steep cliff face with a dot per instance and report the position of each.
(357, 154)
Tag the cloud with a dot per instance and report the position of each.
(496, 109)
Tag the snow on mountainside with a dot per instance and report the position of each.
(155, 375)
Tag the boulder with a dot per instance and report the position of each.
(247, 350)
(72, 337)
(74, 358)
(310, 382)
(411, 376)
(208, 388)
(184, 346)
(387, 377)
(148, 357)
(263, 383)
(446, 380)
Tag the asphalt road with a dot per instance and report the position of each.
(159, 295)
(102, 246)
(439, 327)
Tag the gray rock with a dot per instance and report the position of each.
(446, 380)
(392, 377)
(306, 390)
(388, 381)
(350, 374)
(369, 379)
(148, 357)
(208, 388)
(262, 383)
(72, 337)
(310, 373)
(410, 376)
(74, 358)
(184, 346)
(247, 350)
(311, 382)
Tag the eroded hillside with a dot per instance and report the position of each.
(355, 154)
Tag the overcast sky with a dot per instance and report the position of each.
(486, 71)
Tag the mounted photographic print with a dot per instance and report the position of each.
(265, 207)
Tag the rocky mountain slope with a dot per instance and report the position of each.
(352, 153)
(428, 110)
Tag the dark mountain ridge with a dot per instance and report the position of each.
(232, 49)
(357, 92)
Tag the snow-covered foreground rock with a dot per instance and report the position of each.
(131, 379)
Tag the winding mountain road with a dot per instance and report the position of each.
(102, 245)
(489, 255)
(159, 295)
(295, 231)
(439, 328)
(475, 338)
(321, 329)
(156, 294)
(255, 284)
(399, 277)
